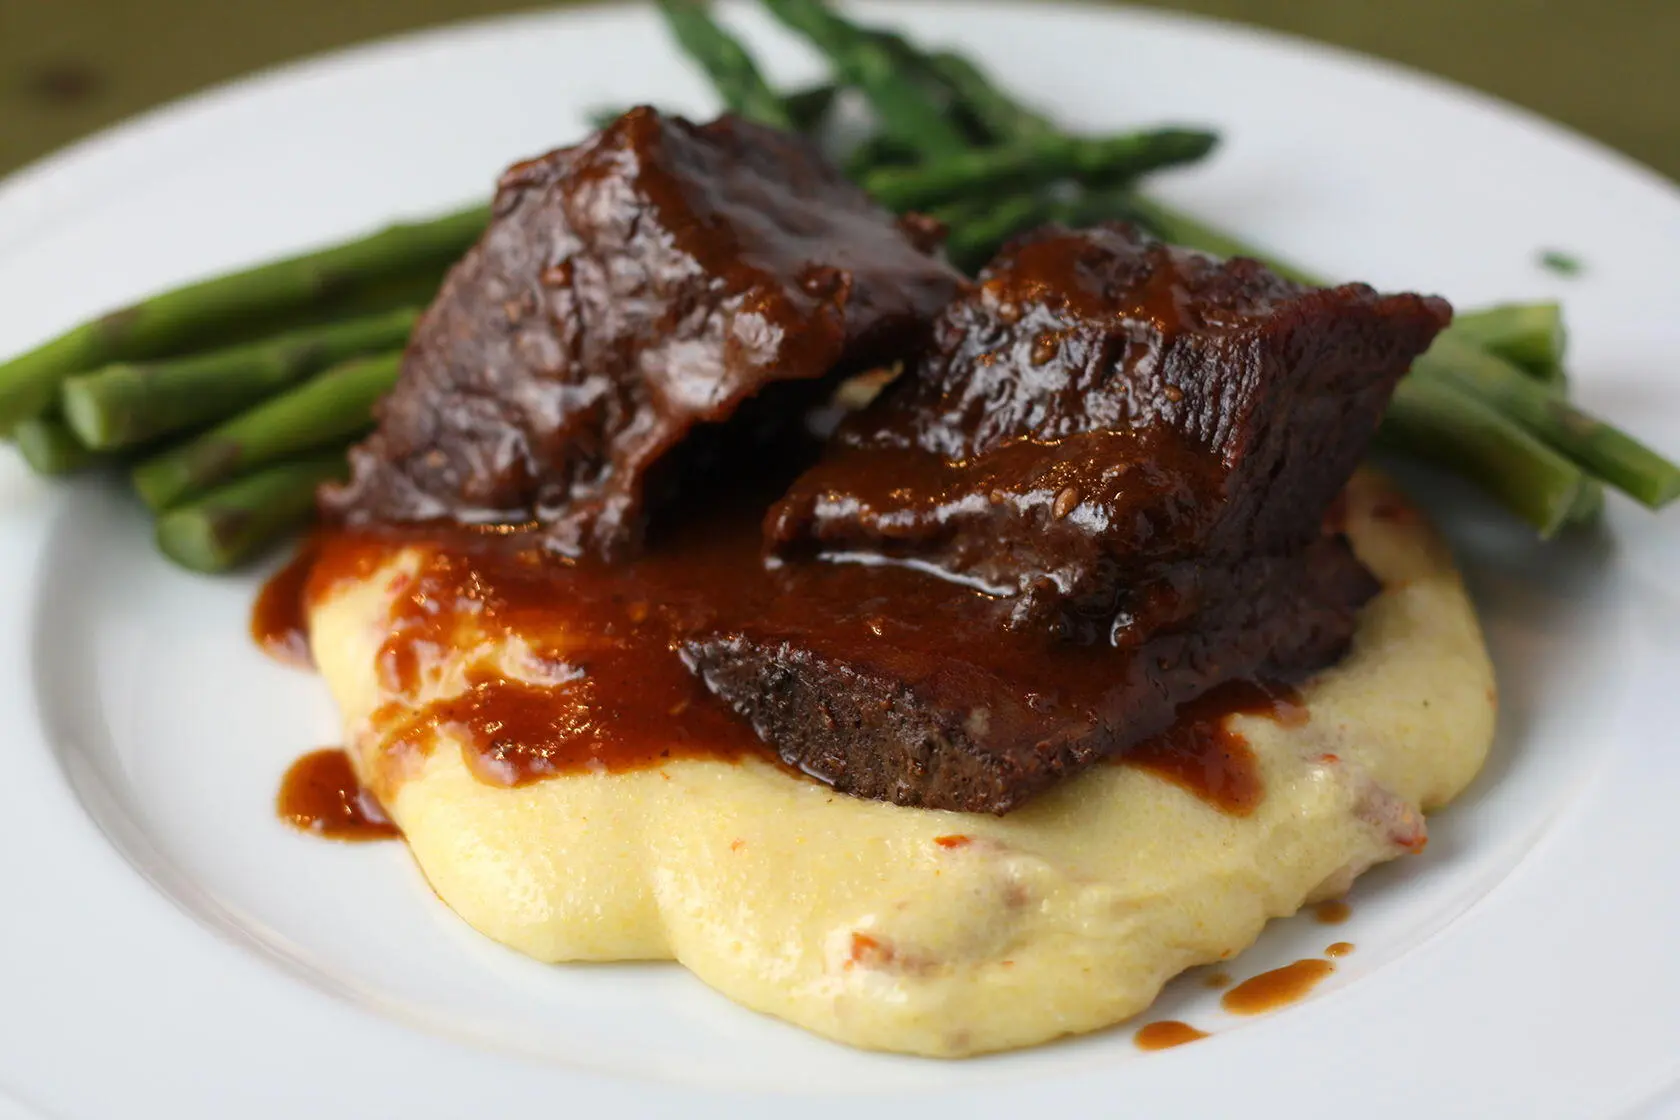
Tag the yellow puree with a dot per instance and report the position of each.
(848, 918)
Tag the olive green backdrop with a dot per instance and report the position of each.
(1610, 68)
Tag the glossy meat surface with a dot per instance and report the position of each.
(655, 299)
(1102, 405)
(1131, 452)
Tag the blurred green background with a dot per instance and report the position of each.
(1610, 68)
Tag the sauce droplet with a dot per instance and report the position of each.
(1277, 988)
(279, 623)
(1216, 980)
(1165, 1034)
(321, 796)
(1339, 949)
(1332, 913)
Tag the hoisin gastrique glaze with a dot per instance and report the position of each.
(1101, 491)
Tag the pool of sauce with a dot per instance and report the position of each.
(1166, 1033)
(1205, 756)
(1278, 988)
(320, 795)
(600, 688)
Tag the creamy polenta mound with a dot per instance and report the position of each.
(931, 932)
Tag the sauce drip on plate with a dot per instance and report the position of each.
(320, 795)
(279, 622)
(1277, 988)
(1166, 1033)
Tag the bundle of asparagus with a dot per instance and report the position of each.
(230, 400)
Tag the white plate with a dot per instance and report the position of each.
(168, 948)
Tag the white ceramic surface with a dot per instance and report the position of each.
(168, 948)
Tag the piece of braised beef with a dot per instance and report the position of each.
(632, 293)
(1103, 404)
(1131, 450)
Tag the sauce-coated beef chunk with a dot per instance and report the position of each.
(632, 292)
(1127, 453)
(1103, 404)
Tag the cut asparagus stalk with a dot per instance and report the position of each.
(1612, 455)
(1439, 423)
(50, 448)
(182, 320)
(325, 411)
(1530, 336)
(130, 403)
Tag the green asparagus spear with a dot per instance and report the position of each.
(1613, 456)
(1036, 162)
(731, 68)
(1181, 229)
(1530, 336)
(129, 403)
(49, 446)
(1589, 504)
(235, 522)
(180, 321)
(979, 227)
(1435, 421)
(1001, 119)
(322, 412)
(865, 62)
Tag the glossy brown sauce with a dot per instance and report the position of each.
(1332, 912)
(604, 689)
(1203, 755)
(1338, 949)
(320, 795)
(1165, 1034)
(1277, 988)
(279, 623)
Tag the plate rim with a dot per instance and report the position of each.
(39, 176)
